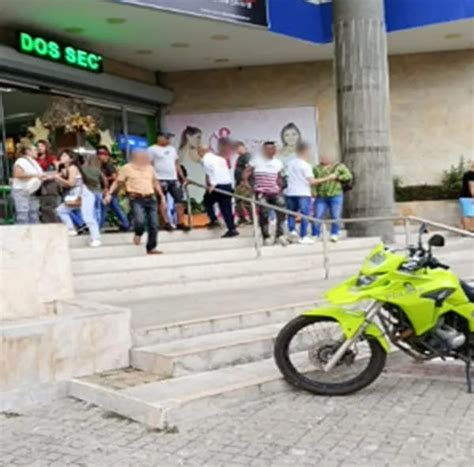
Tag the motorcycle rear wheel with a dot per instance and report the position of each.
(311, 356)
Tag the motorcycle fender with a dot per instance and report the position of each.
(350, 322)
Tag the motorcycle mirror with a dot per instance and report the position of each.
(436, 240)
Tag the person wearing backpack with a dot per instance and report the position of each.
(330, 194)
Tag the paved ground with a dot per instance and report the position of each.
(399, 421)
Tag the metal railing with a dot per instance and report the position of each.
(406, 220)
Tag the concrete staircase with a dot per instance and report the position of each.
(205, 315)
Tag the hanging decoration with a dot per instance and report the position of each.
(39, 131)
(106, 139)
(83, 124)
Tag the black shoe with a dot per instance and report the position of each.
(213, 225)
(82, 230)
(230, 234)
(183, 227)
(168, 227)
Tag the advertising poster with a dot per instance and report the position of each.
(285, 126)
(252, 12)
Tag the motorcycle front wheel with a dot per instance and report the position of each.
(305, 345)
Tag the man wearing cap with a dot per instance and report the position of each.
(141, 183)
(267, 173)
(165, 161)
(109, 171)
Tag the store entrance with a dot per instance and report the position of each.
(66, 122)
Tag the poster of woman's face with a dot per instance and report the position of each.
(286, 126)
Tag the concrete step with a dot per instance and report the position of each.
(263, 275)
(207, 352)
(130, 250)
(151, 290)
(160, 334)
(177, 401)
(125, 238)
(93, 265)
(219, 269)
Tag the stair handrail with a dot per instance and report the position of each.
(258, 243)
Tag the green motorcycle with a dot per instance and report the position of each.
(411, 300)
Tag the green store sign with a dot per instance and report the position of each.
(54, 51)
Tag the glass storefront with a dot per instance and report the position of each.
(67, 121)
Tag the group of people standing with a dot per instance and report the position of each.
(80, 191)
(293, 184)
(68, 187)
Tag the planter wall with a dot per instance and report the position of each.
(445, 211)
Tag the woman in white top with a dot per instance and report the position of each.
(78, 197)
(26, 181)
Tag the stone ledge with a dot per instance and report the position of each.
(84, 338)
(19, 399)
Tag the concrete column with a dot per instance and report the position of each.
(361, 70)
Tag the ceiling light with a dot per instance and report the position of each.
(143, 52)
(180, 45)
(220, 37)
(453, 36)
(221, 60)
(74, 30)
(115, 20)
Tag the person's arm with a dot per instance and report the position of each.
(19, 173)
(182, 178)
(471, 187)
(159, 190)
(318, 181)
(120, 178)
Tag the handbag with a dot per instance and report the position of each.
(74, 201)
(33, 185)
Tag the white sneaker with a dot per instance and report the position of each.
(267, 242)
(306, 241)
(72, 233)
(334, 238)
(316, 238)
(293, 236)
(95, 243)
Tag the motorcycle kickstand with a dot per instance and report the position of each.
(468, 372)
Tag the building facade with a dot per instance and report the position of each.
(431, 104)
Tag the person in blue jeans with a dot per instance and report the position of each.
(109, 171)
(300, 179)
(141, 184)
(330, 194)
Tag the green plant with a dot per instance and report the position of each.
(449, 188)
(196, 207)
(452, 179)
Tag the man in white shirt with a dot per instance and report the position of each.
(267, 172)
(218, 176)
(300, 179)
(165, 161)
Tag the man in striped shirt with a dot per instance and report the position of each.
(268, 186)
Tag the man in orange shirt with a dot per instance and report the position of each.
(141, 183)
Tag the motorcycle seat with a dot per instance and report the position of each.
(468, 290)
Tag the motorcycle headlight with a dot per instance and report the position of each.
(364, 281)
